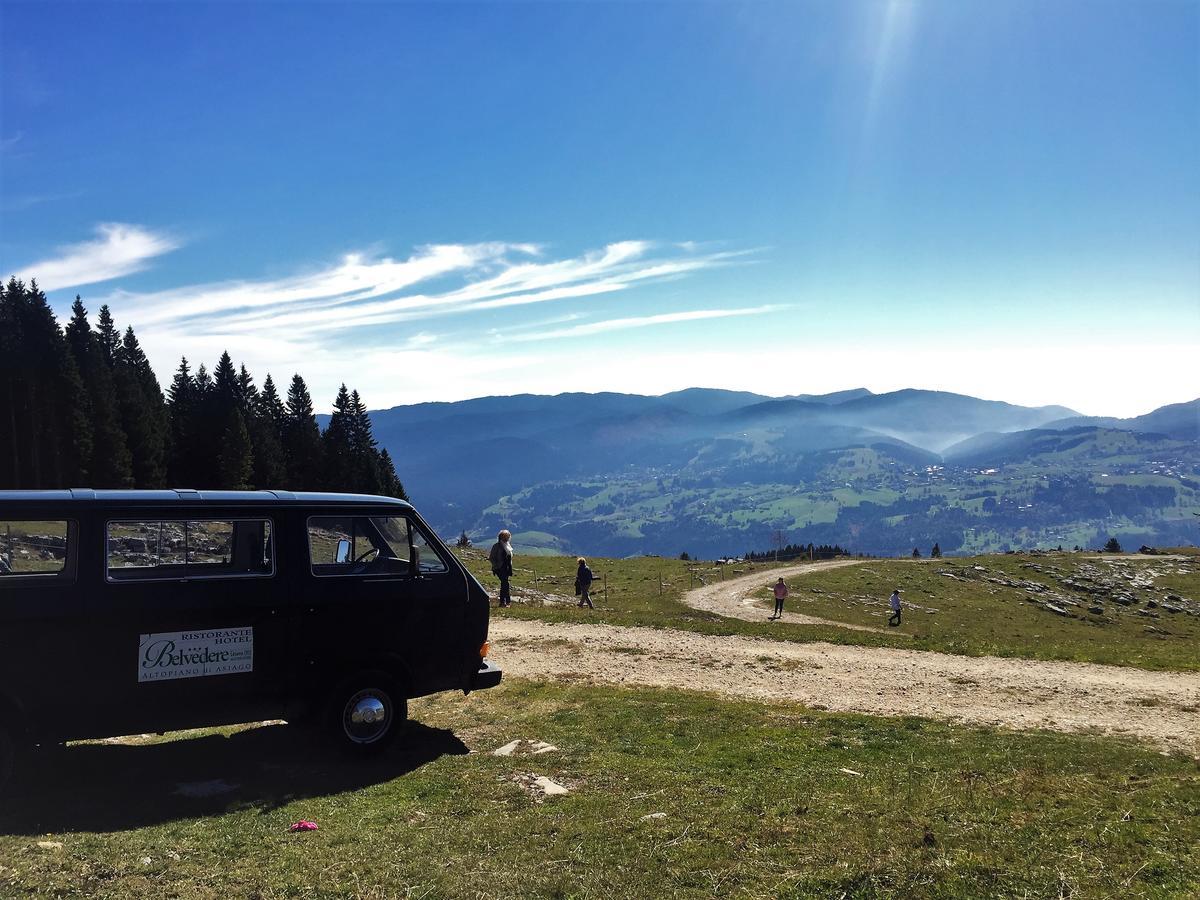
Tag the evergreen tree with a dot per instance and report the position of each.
(142, 410)
(210, 418)
(204, 383)
(45, 433)
(110, 464)
(271, 406)
(235, 462)
(916, 553)
(336, 445)
(108, 339)
(266, 434)
(181, 418)
(936, 552)
(247, 392)
(302, 439)
(387, 475)
(1113, 546)
(368, 475)
(226, 385)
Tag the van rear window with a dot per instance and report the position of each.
(34, 548)
(178, 548)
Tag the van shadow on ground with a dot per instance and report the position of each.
(113, 787)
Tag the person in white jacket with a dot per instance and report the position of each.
(894, 603)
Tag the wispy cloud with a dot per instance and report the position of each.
(644, 322)
(336, 322)
(117, 250)
(360, 292)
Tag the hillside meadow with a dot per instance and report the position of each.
(669, 794)
(998, 605)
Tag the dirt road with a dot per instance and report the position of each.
(1018, 693)
(733, 598)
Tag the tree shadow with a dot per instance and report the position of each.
(113, 787)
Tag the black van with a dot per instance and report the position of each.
(125, 612)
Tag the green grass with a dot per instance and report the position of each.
(755, 801)
(972, 616)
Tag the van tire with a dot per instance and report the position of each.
(366, 713)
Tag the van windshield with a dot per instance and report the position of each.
(369, 545)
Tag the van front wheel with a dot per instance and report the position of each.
(368, 714)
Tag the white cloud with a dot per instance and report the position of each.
(117, 250)
(644, 321)
(359, 293)
(332, 323)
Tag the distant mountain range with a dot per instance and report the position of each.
(625, 473)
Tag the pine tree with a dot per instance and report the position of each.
(368, 476)
(225, 382)
(143, 412)
(247, 392)
(916, 553)
(108, 339)
(936, 552)
(392, 486)
(302, 439)
(272, 406)
(181, 418)
(266, 434)
(235, 462)
(110, 464)
(210, 419)
(45, 433)
(337, 446)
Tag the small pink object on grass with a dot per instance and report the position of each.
(304, 825)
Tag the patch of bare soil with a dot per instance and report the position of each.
(1161, 707)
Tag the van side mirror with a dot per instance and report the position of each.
(342, 554)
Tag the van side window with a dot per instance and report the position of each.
(360, 545)
(34, 548)
(174, 548)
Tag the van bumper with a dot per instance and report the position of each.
(489, 675)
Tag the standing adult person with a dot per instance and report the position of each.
(501, 559)
(894, 603)
(583, 583)
(781, 592)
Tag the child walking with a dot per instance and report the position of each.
(583, 583)
(781, 593)
(894, 603)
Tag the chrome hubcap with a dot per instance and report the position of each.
(367, 716)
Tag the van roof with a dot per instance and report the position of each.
(187, 495)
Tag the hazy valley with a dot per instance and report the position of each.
(714, 472)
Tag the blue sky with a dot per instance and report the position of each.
(443, 201)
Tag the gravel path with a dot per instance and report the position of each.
(734, 598)
(1161, 707)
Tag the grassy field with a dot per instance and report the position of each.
(970, 614)
(671, 794)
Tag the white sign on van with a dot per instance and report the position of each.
(195, 654)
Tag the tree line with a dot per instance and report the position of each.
(81, 406)
(798, 551)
